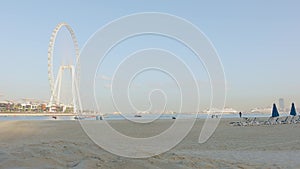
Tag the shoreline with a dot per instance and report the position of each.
(227, 116)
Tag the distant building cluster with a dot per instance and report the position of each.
(8, 106)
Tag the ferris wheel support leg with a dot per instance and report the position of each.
(60, 75)
(52, 98)
(79, 108)
(74, 95)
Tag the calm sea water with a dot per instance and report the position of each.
(120, 117)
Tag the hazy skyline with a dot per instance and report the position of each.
(258, 43)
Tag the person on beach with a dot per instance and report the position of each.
(240, 113)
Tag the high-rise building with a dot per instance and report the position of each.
(281, 104)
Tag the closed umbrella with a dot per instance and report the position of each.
(293, 110)
(275, 111)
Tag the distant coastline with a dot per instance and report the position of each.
(75, 114)
(36, 114)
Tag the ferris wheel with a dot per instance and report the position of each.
(55, 82)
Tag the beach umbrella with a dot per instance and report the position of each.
(293, 110)
(275, 111)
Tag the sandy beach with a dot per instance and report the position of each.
(63, 144)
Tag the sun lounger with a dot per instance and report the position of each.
(254, 122)
(285, 121)
(293, 120)
(244, 122)
(277, 121)
(268, 122)
(298, 120)
(272, 121)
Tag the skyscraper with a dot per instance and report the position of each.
(281, 104)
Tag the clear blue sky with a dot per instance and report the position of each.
(258, 42)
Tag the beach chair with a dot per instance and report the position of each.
(242, 122)
(254, 122)
(298, 120)
(285, 121)
(272, 121)
(277, 121)
(235, 123)
(268, 122)
(293, 120)
(246, 121)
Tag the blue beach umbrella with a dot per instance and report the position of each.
(293, 110)
(275, 111)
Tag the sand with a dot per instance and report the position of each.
(63, 144)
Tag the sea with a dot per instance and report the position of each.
(121, 117)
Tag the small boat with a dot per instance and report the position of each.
(137, 115)
(173, 117)
(54, 117)
(78, 118)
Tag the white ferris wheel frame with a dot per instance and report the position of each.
(55, 83)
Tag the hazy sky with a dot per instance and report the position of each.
(258, 42)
